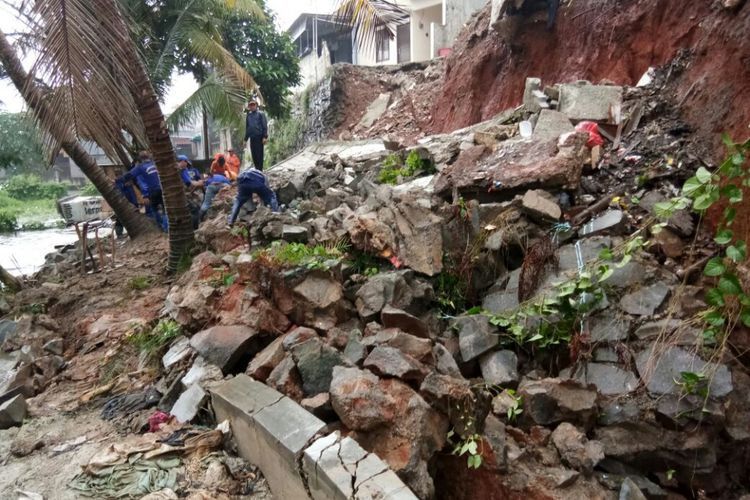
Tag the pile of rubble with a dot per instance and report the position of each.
(398, 312)
(371, 339)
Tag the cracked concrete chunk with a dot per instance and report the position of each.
(288, 425)
(330, 464)
(189, 404)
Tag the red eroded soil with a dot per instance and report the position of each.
(605, 40)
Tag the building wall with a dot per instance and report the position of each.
(421, 29)
(457, 13)
(366, 55)
(313, 68)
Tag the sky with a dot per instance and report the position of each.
(182, 85)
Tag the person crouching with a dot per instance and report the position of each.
(250, 182)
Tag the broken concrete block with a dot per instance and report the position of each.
(180, 350)
(530, 101)
(375, 110)
(537, 204)
(201, 372)
(551, 125)
(590, 102)
(189, 404)
(271, 430)
(12, 412)
(223, 346)
(612, 220)
(294, 234)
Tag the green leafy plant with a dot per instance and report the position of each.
(139, 283)
(31, 187)
(186, 261)
(8, 220)
(693, 383)
(34, 308)
(515, 409)
(395, 169)
(154, 340)
(470, 446)
(450, 291)
(89, 189)
(728, 301)
(285, 254)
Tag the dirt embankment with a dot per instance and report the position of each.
(610, 40)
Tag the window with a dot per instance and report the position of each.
(383, 49)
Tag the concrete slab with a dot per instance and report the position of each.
(189, 404)
(589, 102)
(273, 432)
(375, 110)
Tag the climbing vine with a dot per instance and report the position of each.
(728, 301)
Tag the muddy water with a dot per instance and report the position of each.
(23, 252)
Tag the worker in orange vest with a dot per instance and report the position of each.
(232, 165)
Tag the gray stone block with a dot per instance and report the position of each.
(551, 125)
(189, 404)
(589, 102)
(12, 412)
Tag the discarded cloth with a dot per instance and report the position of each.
(157, 419)
(132, 479)
(595, 138)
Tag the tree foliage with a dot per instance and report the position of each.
(266, 54)
(21, 147)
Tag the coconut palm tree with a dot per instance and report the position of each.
(372, 20)
(98, 88)
(187, 36)
(58, 132)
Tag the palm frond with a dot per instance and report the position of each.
(372, 20)
(218, 97)
(80, 63)
(213, 51)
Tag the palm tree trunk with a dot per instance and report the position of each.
(206, 139)
(160, 144)
(135, 223)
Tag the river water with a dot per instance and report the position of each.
(23, 252)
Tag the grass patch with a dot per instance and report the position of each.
(27, 214)
(283, 254)
(139, 283)
(395, 169)
(153, 341)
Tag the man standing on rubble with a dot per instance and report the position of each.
(256, 130)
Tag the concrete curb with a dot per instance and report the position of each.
(297, 457)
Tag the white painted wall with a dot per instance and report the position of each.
(421, 30)
(313, 68)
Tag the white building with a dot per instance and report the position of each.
(428, 30)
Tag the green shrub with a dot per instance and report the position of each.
(8, 220)
(31, 187)
(394, 168)
(153, 341)
(89, 190)
(286, 141)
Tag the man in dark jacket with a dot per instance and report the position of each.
(256, 129)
